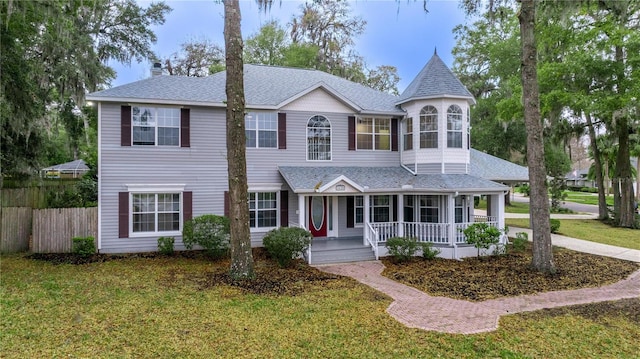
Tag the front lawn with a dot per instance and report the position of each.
(514, 207)
(586, 198)
(590, 230)
(175, 307)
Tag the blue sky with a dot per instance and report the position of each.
(399, 33)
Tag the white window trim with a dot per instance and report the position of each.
(155, 233)
(436, 131)
(257, 130)
(277, 188)
(306, 137)
(356, 224)
(373, 134)
(390, 206)
(155, 114)
(461, 131)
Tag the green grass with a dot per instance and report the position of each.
(514, 207)
(586, 198)
(160, 308)
(590, 230)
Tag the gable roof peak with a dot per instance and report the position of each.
(435, 80)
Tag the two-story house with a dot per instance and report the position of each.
(349, 163)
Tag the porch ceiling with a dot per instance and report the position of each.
(383, 179)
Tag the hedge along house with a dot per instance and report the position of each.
(352, 165)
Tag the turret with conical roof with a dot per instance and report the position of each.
(436, 130)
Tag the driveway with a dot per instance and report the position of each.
(576, 207)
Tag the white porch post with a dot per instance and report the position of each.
(451, 219)
(400, 215)
(366, 219)
(499, 213)
(301, 215)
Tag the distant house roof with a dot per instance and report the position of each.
(496, 169)
(381, 179)
(435, 80)
(577, 174)
(76, 166)
(267, 87)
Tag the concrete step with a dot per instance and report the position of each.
(343, 255)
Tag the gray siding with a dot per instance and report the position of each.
(202, 168)
(455, 168)
(429, 168)
(343, 231)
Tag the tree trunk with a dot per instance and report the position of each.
(241, 256)
(623, 181)
(539, 209)
(638, 178)
(603, 211)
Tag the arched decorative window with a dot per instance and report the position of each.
(468, 128)
(428, 127)
(454, 127)
(318, 139)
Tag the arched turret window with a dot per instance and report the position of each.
(428, 127)
(318, 139)
(454, 127)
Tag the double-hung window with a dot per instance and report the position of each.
(318, 139)
(454, 127)
(429, 209)
(429, 127)
(381, 208)
(263, 209)
(358, 210)
(155, 212)
(155, 126)
(373, 133)
(408, 134)
(261, 129)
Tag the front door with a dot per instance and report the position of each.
(318, 216)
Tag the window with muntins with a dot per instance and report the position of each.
(459, 209)
(454, 127)
(358, 211)
(380, 208)
(155, 212)
(373, 133)
(261, 129)
(429, 209)
(429, 127)
(318, 139)
(408, 134)
(263, 209)
(155, 126)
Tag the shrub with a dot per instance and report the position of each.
(428, 252)
(84, 246)
(165, 245)
(209, 231)
(286, 243)
(520, 242)
(555, 225)
(524, 189)
(482, 235)
(402, 248)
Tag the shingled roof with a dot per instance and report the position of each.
(268, 87)
(435, 80)
(496, 169)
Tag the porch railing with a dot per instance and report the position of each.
(307, 255)
(437, 233)
(485, 219)
(372, 236)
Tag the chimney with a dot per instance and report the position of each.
(156, 69)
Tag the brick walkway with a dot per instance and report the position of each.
(416, 309)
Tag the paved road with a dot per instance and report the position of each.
(576, 207)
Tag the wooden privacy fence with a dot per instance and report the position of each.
(53, 228)
(16, 229)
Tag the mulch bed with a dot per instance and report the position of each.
(478, 279)
(473, 279)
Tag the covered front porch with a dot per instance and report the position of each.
(358, 204)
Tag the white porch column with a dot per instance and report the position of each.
(400, 215)
(366, 218)
(499, 213)
(451, 219)
(301, 216)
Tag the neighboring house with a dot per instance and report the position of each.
(579, 178)
(344, 161)
(73, 169)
